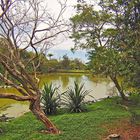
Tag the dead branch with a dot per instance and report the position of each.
(15, 97)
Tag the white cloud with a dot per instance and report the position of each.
(54, 6)
(65, 45)
(62, 42)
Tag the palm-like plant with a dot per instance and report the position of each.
(74, 98)
(50, 99)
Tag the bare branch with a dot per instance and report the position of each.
(51, 36)
(15, 97)
(9, 82)
(5, 6)
(27, 25)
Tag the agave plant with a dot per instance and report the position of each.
(74, 98)
(50, 99)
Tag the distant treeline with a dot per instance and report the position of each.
(49, 64)
(65, 64)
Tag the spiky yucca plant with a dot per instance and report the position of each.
(50, 99)
(74, 98)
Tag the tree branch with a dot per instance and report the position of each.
(15, 97)
(9, 82)
(8, 3)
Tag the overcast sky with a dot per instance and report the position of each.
(70, 11)
(64, 47)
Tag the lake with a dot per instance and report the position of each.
(100, 88)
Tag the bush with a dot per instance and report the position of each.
(74, 98)
(135, 99)
(50, 99)
(135, 117)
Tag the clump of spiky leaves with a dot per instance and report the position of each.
(50, 99)
(74, 98)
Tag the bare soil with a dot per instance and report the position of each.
(125, 129)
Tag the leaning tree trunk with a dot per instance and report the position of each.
(38, 112)
(114, 79)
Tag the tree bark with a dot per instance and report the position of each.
(15, 97)
(38, 112)
(35, 109)
(114, 79)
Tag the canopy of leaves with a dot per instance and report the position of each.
(111, 34)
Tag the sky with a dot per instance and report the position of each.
(64, 47)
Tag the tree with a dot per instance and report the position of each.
(52, 65)
(77, 64)
(131, 38)
(112, 42)
(43, 64)
(50, 55)
(24, 26)
(109, 62)
(65, 63)
(127, 22)
(4, 6)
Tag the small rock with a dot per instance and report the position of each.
(1, 131)
(138, 137)
(114, 137)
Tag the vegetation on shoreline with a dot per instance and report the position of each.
(73, 71)
(65, 65)
(78, 126)
(110, 34)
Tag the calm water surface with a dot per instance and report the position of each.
(100, 88)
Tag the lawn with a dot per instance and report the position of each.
(74, 126)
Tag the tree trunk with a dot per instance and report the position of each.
(38, 112)
(114, 79)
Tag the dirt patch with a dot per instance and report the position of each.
(125, 129)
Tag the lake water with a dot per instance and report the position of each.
(100, 88)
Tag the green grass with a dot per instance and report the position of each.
(73, 71)
(74, 126)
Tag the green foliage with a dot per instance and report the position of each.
(135, 117)
(52, 65)
(111, 34)
(68, 64)
(127, 23)
(76, 126)
(135, 99)
(45, 65)
(74, 98)
(50, 55)
(65, 63)
(108, 62)
(50, 99)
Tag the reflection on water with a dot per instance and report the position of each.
(16, 110)
(100, 88)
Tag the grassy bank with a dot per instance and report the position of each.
(73, 71)
(81, 126)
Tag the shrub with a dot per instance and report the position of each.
(50, 99)
(74, 98)
(135, 116)
(135, 99)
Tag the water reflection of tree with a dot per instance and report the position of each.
(48, 78)
(78, 79)
(98, 79)
(68, 79)
(65, 81)
(112, 91)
